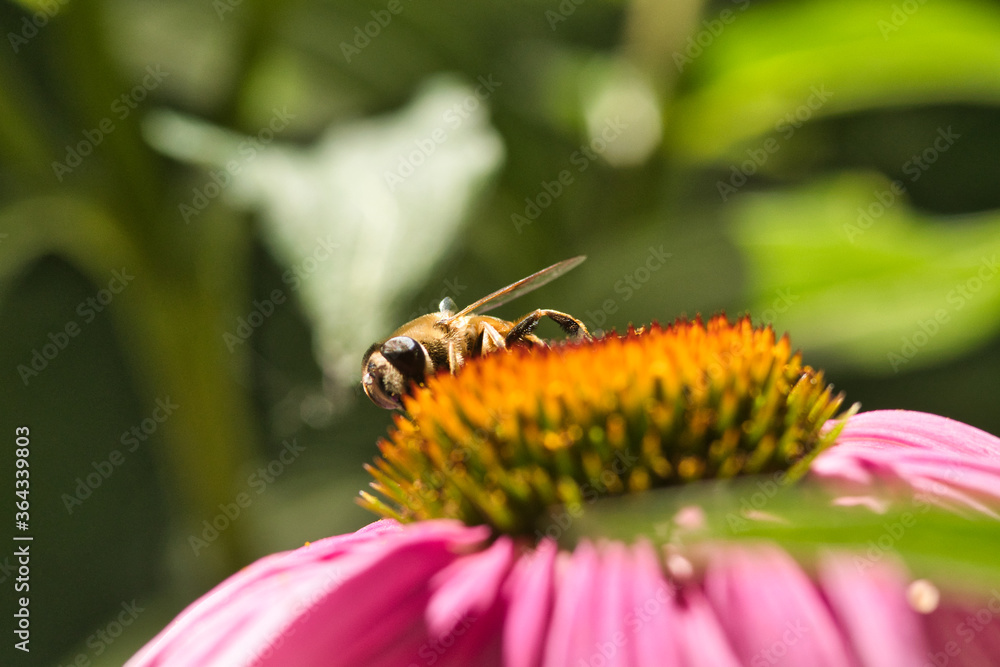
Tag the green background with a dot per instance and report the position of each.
(755, 143)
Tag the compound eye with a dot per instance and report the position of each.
(406, 355)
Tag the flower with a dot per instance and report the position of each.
(463, 574)
(516, 434)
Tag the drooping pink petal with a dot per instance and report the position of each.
(614, 606)
(943, 461)
(529, 590)
(653, 620)
(703, 640)
(333, 602)
(611, 638)
(771, 611)
(469, 586)
(571, 625)
(869, 601)
(466, 607)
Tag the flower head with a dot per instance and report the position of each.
(515, 434)
(462, 575)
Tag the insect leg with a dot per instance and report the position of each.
(489, 340)
(455, 360)
(527, 324)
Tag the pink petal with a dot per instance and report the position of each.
(530, 592)
(333, 602)
(614, 606)
(670, 625)
(469, 586)
(611, 636)
(869, 601)
(945, 462)
(465, 611)
(771, 612)
(571, 625)
(964, 633)
(702, 638)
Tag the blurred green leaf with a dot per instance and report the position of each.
(72, 227)
(399, 187)
(46, 7)
(858, 277)
(171, 329)
(767, 65)
(956, 550)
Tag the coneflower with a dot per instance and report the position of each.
(536, 516)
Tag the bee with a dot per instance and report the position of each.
(446, 339)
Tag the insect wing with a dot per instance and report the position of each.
(521, 287)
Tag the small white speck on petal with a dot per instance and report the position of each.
(679, 567)
(923, 596)
(691, 517)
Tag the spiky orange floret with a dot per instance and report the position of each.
(514, 433)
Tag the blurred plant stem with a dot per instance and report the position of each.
(654, 30)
